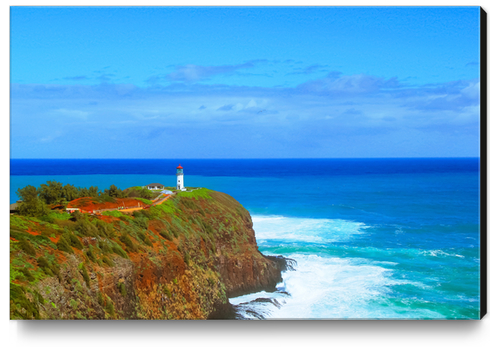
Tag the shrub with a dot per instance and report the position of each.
(207, 228)
(77, 215)
(27, 247)
(49, 269)
(165, 235)
(147, 214)
(127, 241)
(122, 288)
(65, 224)
(105, 229)
(22, 307)
(119, 251)
(90, 254)
(143, 237)
(84, 227)
(141, 222)
(110, 308)
(44, 265)
(174, 231)
(100, 299)
(64, 245)
(85, 275)
(105, 247)
(74, 241)
(126, 218)
(107, 261)
(56, 270)
(27, 274)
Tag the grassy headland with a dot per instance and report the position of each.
(177, 260)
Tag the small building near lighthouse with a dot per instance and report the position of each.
(180, 178)
(155, 186)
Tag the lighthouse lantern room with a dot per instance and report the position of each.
(180, 178)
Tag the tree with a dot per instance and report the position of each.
(114, 192)
(70, 192)
(83, 192)
(93, 192)
(146, 193)
(52, 192)
(31, 204)
(27, 193)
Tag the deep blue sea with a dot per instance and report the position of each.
(373, 238)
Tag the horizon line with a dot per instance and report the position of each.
(315, 158)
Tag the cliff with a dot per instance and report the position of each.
(178, 260)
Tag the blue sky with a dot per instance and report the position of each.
(244, 82)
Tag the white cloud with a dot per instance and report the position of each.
(72, 113)
(285, 120)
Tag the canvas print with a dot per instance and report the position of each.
(245, 163)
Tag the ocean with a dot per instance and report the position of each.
(372, 238)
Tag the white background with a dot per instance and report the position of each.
(208, 333)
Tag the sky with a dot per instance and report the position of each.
(244, 82)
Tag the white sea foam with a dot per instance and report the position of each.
(329, 288)
(305, 229)
(438, 253)
(323, 286)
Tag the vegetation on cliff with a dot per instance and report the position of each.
(177, 260)
(35, 201)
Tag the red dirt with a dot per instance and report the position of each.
(88, 204)
(55, 239)
(108, 219)
(60, 257)
(32, 232)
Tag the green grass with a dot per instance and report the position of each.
(167, 206)
(146, 201)
(52, 216)
(19, 222)
(22, 307)
(36, 240)
(135, 188)
(114, 213)
(198, 194)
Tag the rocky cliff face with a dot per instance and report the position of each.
(178, 260)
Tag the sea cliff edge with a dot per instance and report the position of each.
(181, 259)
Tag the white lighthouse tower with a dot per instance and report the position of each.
(180, 178)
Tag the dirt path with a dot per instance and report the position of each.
(155, 202)
(161, 201)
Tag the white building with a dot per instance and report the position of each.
(155, 186)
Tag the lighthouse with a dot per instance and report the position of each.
(180, 178)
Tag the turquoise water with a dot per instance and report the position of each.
(375, 240)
